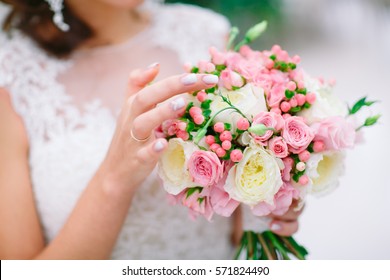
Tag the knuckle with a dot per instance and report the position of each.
(140, 101)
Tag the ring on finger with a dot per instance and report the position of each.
(137, 139)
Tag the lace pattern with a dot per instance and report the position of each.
(68, 142)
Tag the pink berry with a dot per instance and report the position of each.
(226, 145)
(236, 155)
(318, 146)
(226, 135)
(304, 156)
(276, 49)
(296, 59)
(201, 96)
(182, 126)
(301, 84)
(269, 63)
(300, 166)
(291, 86)
(311, 98)
(293, 102)
(195, 111)
(220, 152)
(276, 111)
(210, 67)
(285, 106)
(183, 135)
(219, 127)
(301, 99)
(303, 180)
(198, 119)
(243, 124)
(210, 139)
(286, 116)
(214, 147)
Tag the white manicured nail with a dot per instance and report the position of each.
(189, 79)
(276, 227)
(159, 146)
(210, 79)
(153, 65)
(178, 104)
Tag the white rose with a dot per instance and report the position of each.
(249, 100)
(256, 178)
(326, 105)
(324, 171)
(173, 166)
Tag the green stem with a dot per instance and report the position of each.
(245, 41)
(290, 247)
(250, 248)
(277, 244)
(243, 244)
(266, 249)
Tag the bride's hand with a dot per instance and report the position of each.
(286, 224)
(134, 150)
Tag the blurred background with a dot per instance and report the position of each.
(348, 40)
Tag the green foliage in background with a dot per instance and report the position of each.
(246, 13)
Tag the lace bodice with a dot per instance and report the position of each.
(69, 108)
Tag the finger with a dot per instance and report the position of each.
(144, 124)
(284, 228)
(290, 215)
(156, 93)
(149, 155)
(139, 78)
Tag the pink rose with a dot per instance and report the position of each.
(205, 168)
(230, 79)
(282, 202)
(284, 198)
(297, 134)
(269, 119)
(288, 164)
(335, 132)
(197, 202)
(275, 95)
(220, 200)
(173, 126)
(278, 147)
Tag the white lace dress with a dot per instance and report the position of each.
(69, 109)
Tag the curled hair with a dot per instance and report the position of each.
(34, 18)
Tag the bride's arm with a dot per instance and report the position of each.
(94, 224)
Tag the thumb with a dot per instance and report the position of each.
(139, 78)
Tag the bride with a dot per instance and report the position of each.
(77, 177)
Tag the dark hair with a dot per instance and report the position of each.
(34, 18)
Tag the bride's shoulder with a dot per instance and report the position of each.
(190, 30)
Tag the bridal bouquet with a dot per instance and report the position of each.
(266, 135)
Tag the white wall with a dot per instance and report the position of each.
(349, 41)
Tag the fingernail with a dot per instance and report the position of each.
(178, 104)
(210, 79)
(153, 65)
(276, 227)
(159, 146)
(189, 79)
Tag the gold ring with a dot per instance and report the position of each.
(137, 139)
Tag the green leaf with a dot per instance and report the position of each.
(289, 94)
(206, 113)
(227, 126)
(273, 57)
(190, 126)
(191, 191)
(295, 109)
(206, 104)
(306, 105)
(195, 70)
(210, 90)
(372, 120)
(220, 67)
(360, 104)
